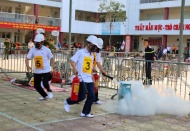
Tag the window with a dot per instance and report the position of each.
(5, 34)
(155, 41)
(6, 9)
(155, 16)
(8, 35)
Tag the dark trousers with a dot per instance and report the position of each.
(6, 53)
(22, 82)
(82, 95)
(173, 51)
(96, 97)
(37, 83)
(148, 70)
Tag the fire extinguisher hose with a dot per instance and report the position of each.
(107, 76)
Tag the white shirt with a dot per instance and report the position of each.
(41, 59)
(98, 57)
(30, 45)
(165, 51)
(168, 48)
(84, 64)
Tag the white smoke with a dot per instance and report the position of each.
(147, 101)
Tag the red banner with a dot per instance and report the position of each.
(160, 27)
(24, 26)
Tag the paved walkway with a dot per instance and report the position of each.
(20, 110)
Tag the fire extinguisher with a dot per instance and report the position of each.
(96, 78)
(75, 88)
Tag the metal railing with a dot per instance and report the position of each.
(152, 1)
(49, 21)
(14, 17)
(164, 74)
(29, 19)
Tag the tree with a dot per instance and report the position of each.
(113, 10)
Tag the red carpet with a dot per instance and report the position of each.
(53, 88)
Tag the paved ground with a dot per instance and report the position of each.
(20, 110)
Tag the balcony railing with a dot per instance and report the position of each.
(152, 1)
(29, 19)
(49, 21)
(19, 18)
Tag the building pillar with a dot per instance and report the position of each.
(166, 13)
(96, 17)
(165, 37)
(13, 9)
(61, 38)
(128, 43)
(36, 18)
(166, 17)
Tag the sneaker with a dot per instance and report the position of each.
(13, 80)
(144, 82)
(82, 114)
(66, 106)
(90, 116)
(99, 102)
(150, 82)
(42, 98)
(50, 95)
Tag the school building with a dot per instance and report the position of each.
(155, 20)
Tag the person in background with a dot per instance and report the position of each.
(173, 49)
(177, 48)
(65, 45)
(168, 49)
(30, 44)
(51, 45)
(149, 56)
(17, 48)
(45, 43)
(42, 57)
(186, 53)
(158, 53)
(6, 50)
(11, 45)
(164, 54)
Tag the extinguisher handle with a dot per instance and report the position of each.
(107, 76)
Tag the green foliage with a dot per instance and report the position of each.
(24, 45)
(14, 45)
(110, 11)
(113, 9)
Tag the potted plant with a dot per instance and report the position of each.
(24, 48)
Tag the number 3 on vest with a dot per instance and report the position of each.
(38, 62)
(87, 65)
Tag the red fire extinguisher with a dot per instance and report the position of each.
(96, 78)
(75, 88)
